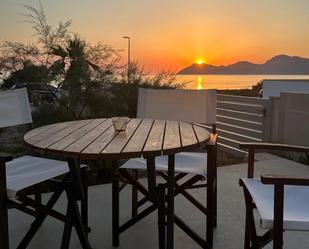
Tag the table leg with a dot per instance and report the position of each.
(161, 215)
(170, 202)
(84, 203)
(66, 236)
(134, 196)
(115, 203)
(157, 196)
(151, 177)
(74, 194)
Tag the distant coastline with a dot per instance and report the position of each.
(232, 81)
(277, 65)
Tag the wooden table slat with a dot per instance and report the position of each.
(62, 133)
(76, 135)
(80, 144)
(172, 137)
(97, 139)
(100, 142)
(36, 131)
(41, 133)
(155, 139)
(119, 142)
(137, 142)
(201, 133)
(187, 134)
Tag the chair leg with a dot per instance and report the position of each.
(36, 224)
(115, 204)
(216, 187)
(84, 202)
(4, 225)
(210, 195)
(215, 204)
(170, 210)
(134, 196)
(38, 194)
(247, 233)
(251, 239)
(278, 216)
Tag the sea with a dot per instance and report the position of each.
(225, 82)
(229, 82)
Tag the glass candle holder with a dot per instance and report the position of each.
(120, 123)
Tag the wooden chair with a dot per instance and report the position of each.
(26, 171)
(196, 106)
(281, 201)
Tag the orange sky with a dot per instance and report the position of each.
(172, 34)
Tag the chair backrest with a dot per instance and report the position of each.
(14, 108)
(196, 106)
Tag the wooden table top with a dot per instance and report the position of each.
(97, 139)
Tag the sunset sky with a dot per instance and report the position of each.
(175, 33)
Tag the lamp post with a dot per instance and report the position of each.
(129, 55)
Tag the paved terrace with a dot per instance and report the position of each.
(229, 233)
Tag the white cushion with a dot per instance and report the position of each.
(27, 171)
(296, 204)
(185, 162)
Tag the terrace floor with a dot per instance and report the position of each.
(228, 234)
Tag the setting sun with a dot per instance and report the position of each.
(199, 61)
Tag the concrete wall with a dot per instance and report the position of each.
(282, 119)
(273, 88)
(290, 122)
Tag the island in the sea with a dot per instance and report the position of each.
(280, 64)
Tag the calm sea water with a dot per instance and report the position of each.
(223, 82)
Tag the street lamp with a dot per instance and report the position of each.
(129, 54)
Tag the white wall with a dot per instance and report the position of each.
(273, 88)
(290, 120)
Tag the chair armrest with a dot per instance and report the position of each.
(284, 180)
(270, 146)
(4, 157)
(252, 147)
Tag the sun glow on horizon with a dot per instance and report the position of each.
(200, 61)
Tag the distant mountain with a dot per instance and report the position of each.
(280, 64)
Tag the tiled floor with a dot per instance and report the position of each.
(229, 233)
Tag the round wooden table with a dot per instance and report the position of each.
(96, 139)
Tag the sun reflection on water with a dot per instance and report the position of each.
(199, 82)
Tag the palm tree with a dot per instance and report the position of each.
(76, 71)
